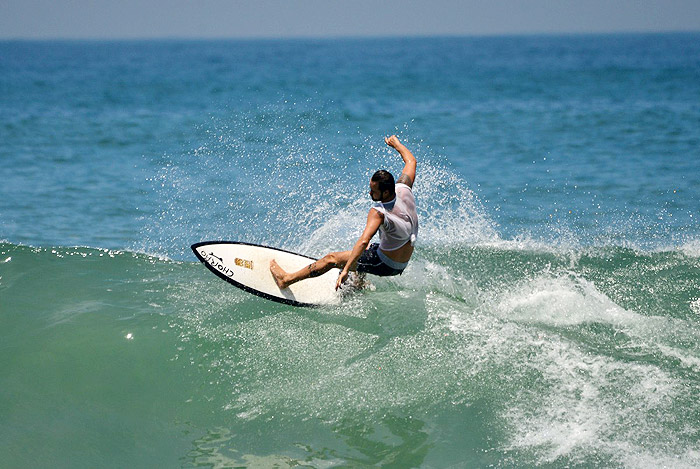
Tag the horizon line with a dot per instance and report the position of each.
(345, 36)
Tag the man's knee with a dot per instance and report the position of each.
(331, 259)
(336, 259)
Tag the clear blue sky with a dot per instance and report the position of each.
(333, 18)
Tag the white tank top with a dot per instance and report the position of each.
(400, 221)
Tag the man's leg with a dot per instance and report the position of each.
(315, 269)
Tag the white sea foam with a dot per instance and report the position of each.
(691, 248)
(589, 404)
(695, 306)
(562, 300)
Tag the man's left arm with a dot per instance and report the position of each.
(374, 221)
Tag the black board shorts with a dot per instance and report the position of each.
(369, 262)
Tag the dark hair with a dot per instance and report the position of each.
(385, 181)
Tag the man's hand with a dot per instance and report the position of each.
(392, 141)
(342, 277)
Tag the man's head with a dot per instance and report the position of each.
(381, 186)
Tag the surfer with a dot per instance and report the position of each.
(393, 215)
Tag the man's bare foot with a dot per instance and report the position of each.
(278, 274)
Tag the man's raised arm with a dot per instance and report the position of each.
(408, 175)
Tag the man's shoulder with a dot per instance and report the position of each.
(403, 191)
(405, 179)
(378, 210)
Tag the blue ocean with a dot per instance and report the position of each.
(550, 316)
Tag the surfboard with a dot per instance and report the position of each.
(247, 266)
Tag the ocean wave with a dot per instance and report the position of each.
(578, 354)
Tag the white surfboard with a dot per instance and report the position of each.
(247, 266)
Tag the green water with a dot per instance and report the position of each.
(503, 357)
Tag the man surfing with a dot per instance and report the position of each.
(393, 215)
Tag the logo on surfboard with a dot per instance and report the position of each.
(216, 262)
(243, 263)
